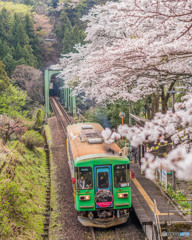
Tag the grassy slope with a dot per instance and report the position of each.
(23, 184)
(55, 226)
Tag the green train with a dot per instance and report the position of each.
(100, 177)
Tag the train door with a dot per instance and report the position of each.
(103, 181)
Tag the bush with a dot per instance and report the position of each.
(32, 139)
(38, 119)
(12, 206)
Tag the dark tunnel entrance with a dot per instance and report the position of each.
(54, 86)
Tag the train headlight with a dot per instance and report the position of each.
(123, 195)
(84, 198)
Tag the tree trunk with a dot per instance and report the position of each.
(155, 104)
(148, 108)
(164, 100)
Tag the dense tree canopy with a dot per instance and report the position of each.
(18, 41)
(70, 28)
(133, 51)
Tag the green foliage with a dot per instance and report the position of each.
(55, 2)
(109, 116)
(98, 115)
(12, 101)
(69, 31)
(12, 98)
(32, 139)
(22, 198)
(15, 8)
(11, 193)
(113, 112)
(10, 63)
(64, 25)
(29, 2)
(39, 119)
(178, 196)
(33, 40)
(123, 106)
(4, 80)
(18, 41)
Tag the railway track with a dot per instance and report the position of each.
(60, 113)
(69, 121)
(105, 234)
(130, 230)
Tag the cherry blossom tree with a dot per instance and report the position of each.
(177, 126)
(135, 49)
(9, 126)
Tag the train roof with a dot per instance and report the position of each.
(80, 136)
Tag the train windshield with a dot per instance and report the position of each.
(121, 175)
(84, 178)
(103, 180)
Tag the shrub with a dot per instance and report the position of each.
(38, 119)
(32, 139)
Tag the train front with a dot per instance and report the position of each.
(102, 190)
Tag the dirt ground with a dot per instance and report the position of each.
(66, 224)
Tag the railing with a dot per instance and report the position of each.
(157, 222)
(179, 211)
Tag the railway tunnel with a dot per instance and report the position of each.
(54, 86)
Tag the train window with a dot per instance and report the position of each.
(103, 180)
(83, 176)
(121, 175)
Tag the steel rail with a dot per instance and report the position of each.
(116, 234)
(93, 233)
(55, 110)
(63, 111)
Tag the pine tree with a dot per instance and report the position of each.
(18, 32)
(33, 39)
(30, 59)
(4, 80)
(28, 24)
(64, 25)
(18, 53)
(67, 42)
(54, 3)
(10, 63)
(4, 49)
(4, 24)
(78, 35)
(29, 2)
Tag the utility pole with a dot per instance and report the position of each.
(173, 100)
(130, 122)
(173, 110)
